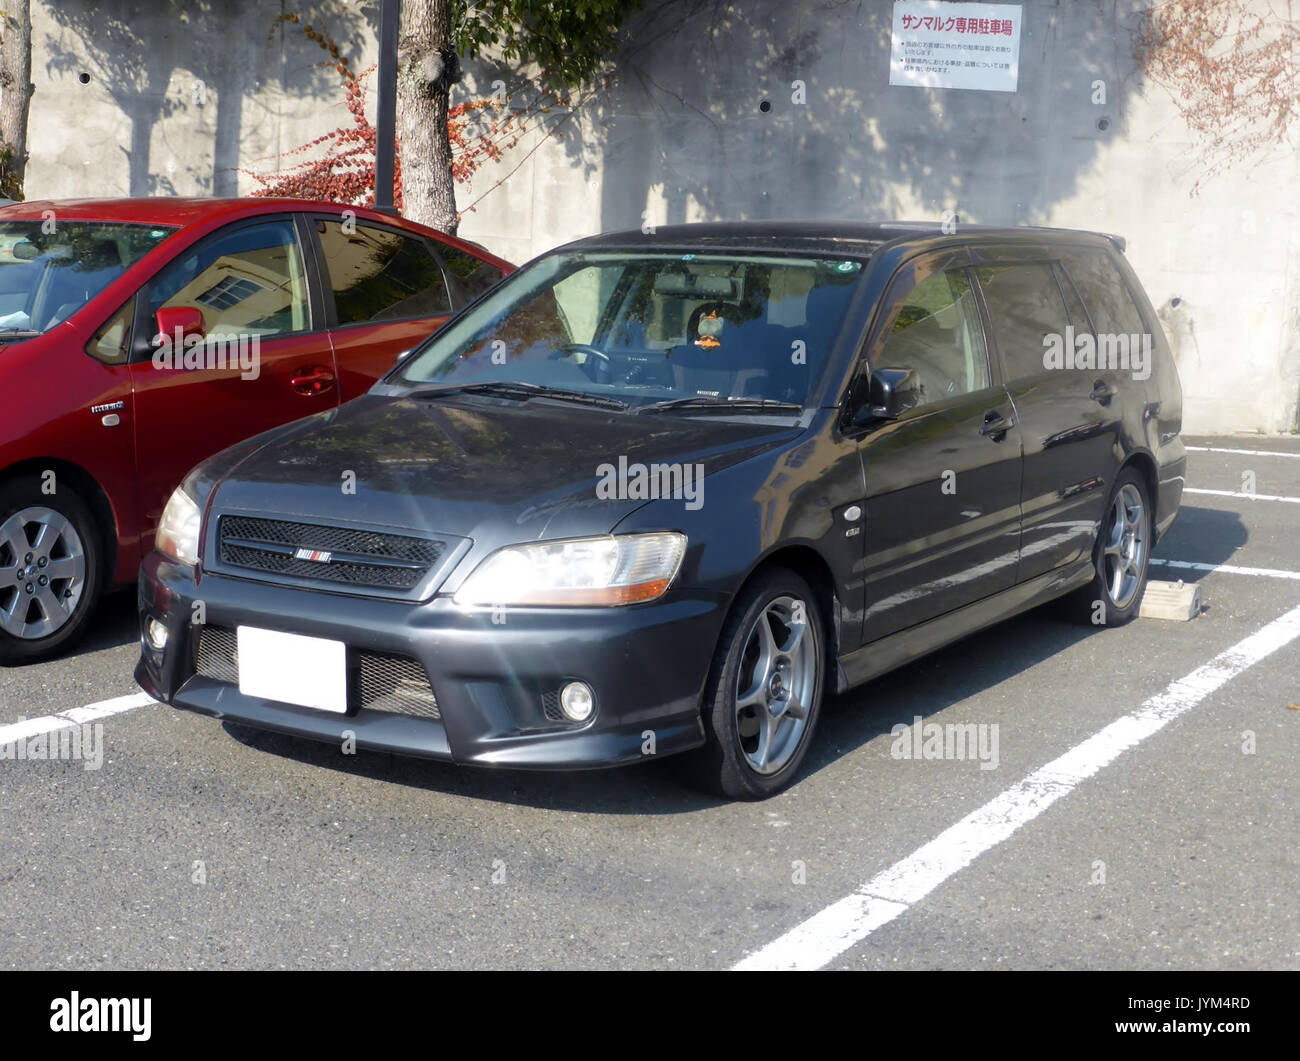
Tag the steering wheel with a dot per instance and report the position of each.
(568, 351)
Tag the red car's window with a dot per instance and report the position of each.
(472, 275)
(379, 274)
(109, 343)
(249, 281)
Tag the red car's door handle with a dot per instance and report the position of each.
(311, 380)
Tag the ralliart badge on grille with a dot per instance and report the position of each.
(319, 556)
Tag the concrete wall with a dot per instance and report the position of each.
(172, 97)
(681, 136)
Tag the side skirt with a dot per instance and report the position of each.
(876, 658)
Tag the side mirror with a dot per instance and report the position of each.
(178, 323)
(892, 392)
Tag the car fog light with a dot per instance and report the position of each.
(577, 701)
(157, 634)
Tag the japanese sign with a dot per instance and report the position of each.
(943, 45)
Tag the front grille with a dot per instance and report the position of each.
(360, 558)
(395, 684)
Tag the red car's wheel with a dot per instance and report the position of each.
(50, 571)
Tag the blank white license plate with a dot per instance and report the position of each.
(308, 671)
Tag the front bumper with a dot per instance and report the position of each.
(646, 663)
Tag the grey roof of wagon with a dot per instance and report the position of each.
(853, 238)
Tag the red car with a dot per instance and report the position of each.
(139, 336)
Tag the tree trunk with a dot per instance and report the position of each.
(427, 67)
(15, 95)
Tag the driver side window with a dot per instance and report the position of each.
(935, 331)
(249, 281)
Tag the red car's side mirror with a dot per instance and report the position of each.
(177, 323)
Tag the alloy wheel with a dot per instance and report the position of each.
(776, 684)
(1124, 556)
(42, 572)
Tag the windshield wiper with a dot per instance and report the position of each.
(520, 391)
(7, 334)
(739, 405)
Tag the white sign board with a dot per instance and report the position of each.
(942, 45)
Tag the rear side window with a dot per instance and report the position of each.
(1025, 307)
(471, 275)
(1107, 297)
(380, 274)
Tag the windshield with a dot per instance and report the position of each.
(650, 328)
(50, 268)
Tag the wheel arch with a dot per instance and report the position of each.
(88, 489)
(812, 567)
(1146, 465)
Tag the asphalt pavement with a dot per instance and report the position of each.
(1142, 813)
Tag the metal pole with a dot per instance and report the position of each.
(386, 115)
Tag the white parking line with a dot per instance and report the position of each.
(1250, 452)
(76, 716)
(834, 930)
(1240, 493)
(1231, 569)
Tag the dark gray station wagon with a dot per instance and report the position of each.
(661, 493)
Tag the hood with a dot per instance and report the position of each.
(481, 468)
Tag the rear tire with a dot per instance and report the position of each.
(764, 690)
(50, 570)
(1121, 556)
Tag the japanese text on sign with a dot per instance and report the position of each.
(950, 45)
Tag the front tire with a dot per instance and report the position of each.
(764, 691)
(50, 570)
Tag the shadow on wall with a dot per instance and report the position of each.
(706, 113)
(196, 59)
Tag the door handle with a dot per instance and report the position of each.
(996, 425)
(1102, 392)
(312, 380)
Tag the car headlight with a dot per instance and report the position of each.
(615, 569)
(178, 530)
